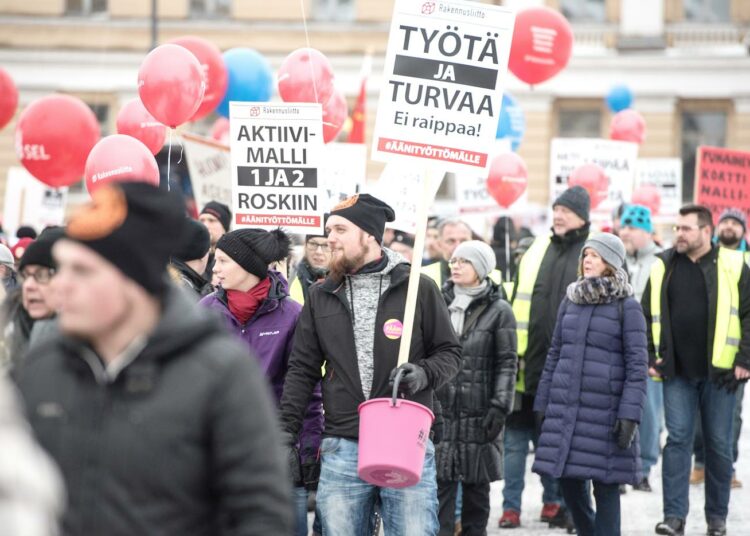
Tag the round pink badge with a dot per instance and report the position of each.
(393, 328)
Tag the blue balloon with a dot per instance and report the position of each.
(512, 122)
(619, 98)
(250, 78)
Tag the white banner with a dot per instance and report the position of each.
(343, 171)
(31, 202)
(666, 175)
(617, 158)
(276, 152)
(443, 83)
(401, 187)
(210, 170)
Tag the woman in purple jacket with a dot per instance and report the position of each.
(254, 301)
(593, 388)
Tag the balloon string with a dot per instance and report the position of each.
(507, 250)
(169, 158)
(307, 40)
(182, 150)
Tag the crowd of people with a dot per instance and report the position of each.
(177, 378)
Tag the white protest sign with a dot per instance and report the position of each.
(401, 187)
(666, 175)
(210, 170)
(617, 158)
(31, 202)
(343, 171)
(276, 152)
(443, 83)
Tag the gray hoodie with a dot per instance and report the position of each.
(639, 267)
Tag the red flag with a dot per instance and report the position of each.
(357, 133)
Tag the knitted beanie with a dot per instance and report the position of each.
(255, 249)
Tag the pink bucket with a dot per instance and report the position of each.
(393, 436)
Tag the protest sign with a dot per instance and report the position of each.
(276, 152)
(666, 175)
(401, 187)
(617, 158)
(30, 202)
(343, 171)
(210, 170)
(443, 83)
(722, 179)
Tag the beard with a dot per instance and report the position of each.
(729, 239)
(341, 265)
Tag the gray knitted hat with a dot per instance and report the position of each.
(609, 247)
(480, 255)
(576, 199)
(6, 257)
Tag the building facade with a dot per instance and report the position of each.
(686, 61)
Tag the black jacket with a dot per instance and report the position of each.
(325, 333)
(182, 441)
(486, 379)
(708, 267)
(190, 279)
(559, 268)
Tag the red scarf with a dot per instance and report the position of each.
(243, 305)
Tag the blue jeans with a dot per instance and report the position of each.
(300, 513)
(346, 503)
(605, 521)
(651, 425)
(700, 454)
(516, 445)
(683, 399)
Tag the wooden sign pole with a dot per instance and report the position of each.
(416, 266)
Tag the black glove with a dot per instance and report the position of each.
(625, 430)
(413, 380)
(493, 423)
(311, 475)
(727, 380)
(538, 421)
(291, 457)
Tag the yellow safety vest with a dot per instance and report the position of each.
(435, 273)
(528, 270)
(296, 292)
(728, 331)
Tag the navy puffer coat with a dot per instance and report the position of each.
(595, 373)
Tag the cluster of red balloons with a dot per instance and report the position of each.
(648, 196)
(306, 75)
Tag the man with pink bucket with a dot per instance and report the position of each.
(353, 323)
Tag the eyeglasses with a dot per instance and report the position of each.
(686, 228)
(458, 261)
(41, 275)
(312, 247)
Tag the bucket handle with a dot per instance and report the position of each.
(396, 381)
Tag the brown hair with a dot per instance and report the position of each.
(609, 271)
(702, 212)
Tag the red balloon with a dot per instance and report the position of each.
(593, 179)
(628, 125)
(306, 75)
(170, 84)
(54, 135)
(508, 179)
(335, 113)
(220, 130)
(541, 46)
(8, 98)
(647, 195)
(214, 72)
(134, 120)
(120, 158)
